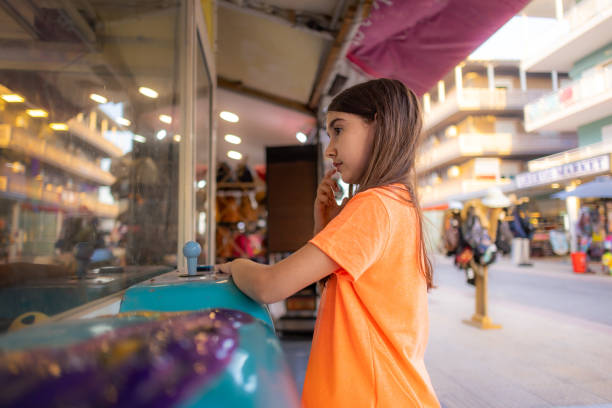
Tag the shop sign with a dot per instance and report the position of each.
(579, 168)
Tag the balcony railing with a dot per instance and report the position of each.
(585, 90)
(18, 139)
(570, 156)
(568, 30)
(457, 189)
(477, 99)
(497, 144)
(578, 15)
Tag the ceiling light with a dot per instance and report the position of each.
(301, 136)
(123, 121)
(232, 154)
(139, 138)
(177, 138)
(98, 98)
(161, 134)
(201, 183)
(13, 98)
(555, 185)
(165, 118)
(229, 116)
(58, 126)
(151, 93)
(233, 139)
(454, 171)
(37, 113)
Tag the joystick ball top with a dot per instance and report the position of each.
(192, 249)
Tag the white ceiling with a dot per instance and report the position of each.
(545, 8)
(261, 124)
(268, 55)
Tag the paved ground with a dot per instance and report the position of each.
(554, 350)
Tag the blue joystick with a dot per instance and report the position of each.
(192, 250)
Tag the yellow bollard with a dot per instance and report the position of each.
(480, 319)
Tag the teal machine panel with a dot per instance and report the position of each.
(180, 340)
(175, 291)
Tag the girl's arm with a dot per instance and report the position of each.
(273, 283)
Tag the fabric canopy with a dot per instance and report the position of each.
(419, 41)
(601, 187)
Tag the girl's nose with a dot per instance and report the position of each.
(330, 151)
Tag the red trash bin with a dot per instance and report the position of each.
(579, 262)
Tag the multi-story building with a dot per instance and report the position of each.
(474, 132)
(583, 49)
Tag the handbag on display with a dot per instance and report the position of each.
(225, 173)
(464, 257)
(247, 212)
(229, 209)
(244, 174)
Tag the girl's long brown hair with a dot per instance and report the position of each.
(396, 113)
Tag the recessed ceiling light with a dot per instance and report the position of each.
(161, 134)
(13, 98)
(98, 98)
(177, 138)
(201, 183)
(233, 139)
(229, 116)
(232, 154)
(58, 126)
(151, 93)
(37, 113)
(139, 138)
(123, 121)
(301, 137)
(165, 118)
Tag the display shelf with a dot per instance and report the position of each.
(236, 186)
(35, 195)
(93, 137)
(18, 140)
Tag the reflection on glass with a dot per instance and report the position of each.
(88, 193)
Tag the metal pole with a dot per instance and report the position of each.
(187, 146)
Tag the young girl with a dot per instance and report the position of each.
(372, 327)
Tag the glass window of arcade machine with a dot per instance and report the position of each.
(91, 102)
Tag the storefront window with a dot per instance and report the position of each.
(89, 135)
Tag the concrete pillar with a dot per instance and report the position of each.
(523, 77)
(441, 92)
(555, 80)
(458, 82)
(427, 103)
(573, 206)
(559, 9)
(491, 76)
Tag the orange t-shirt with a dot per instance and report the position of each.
(372, 327)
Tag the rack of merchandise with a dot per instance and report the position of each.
(241, 221)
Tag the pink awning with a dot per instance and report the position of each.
(419, 41)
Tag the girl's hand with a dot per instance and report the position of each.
(224, 267)
(325, 207)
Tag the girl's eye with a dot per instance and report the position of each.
(337, 130)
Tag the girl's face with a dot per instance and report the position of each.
(350, 144)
